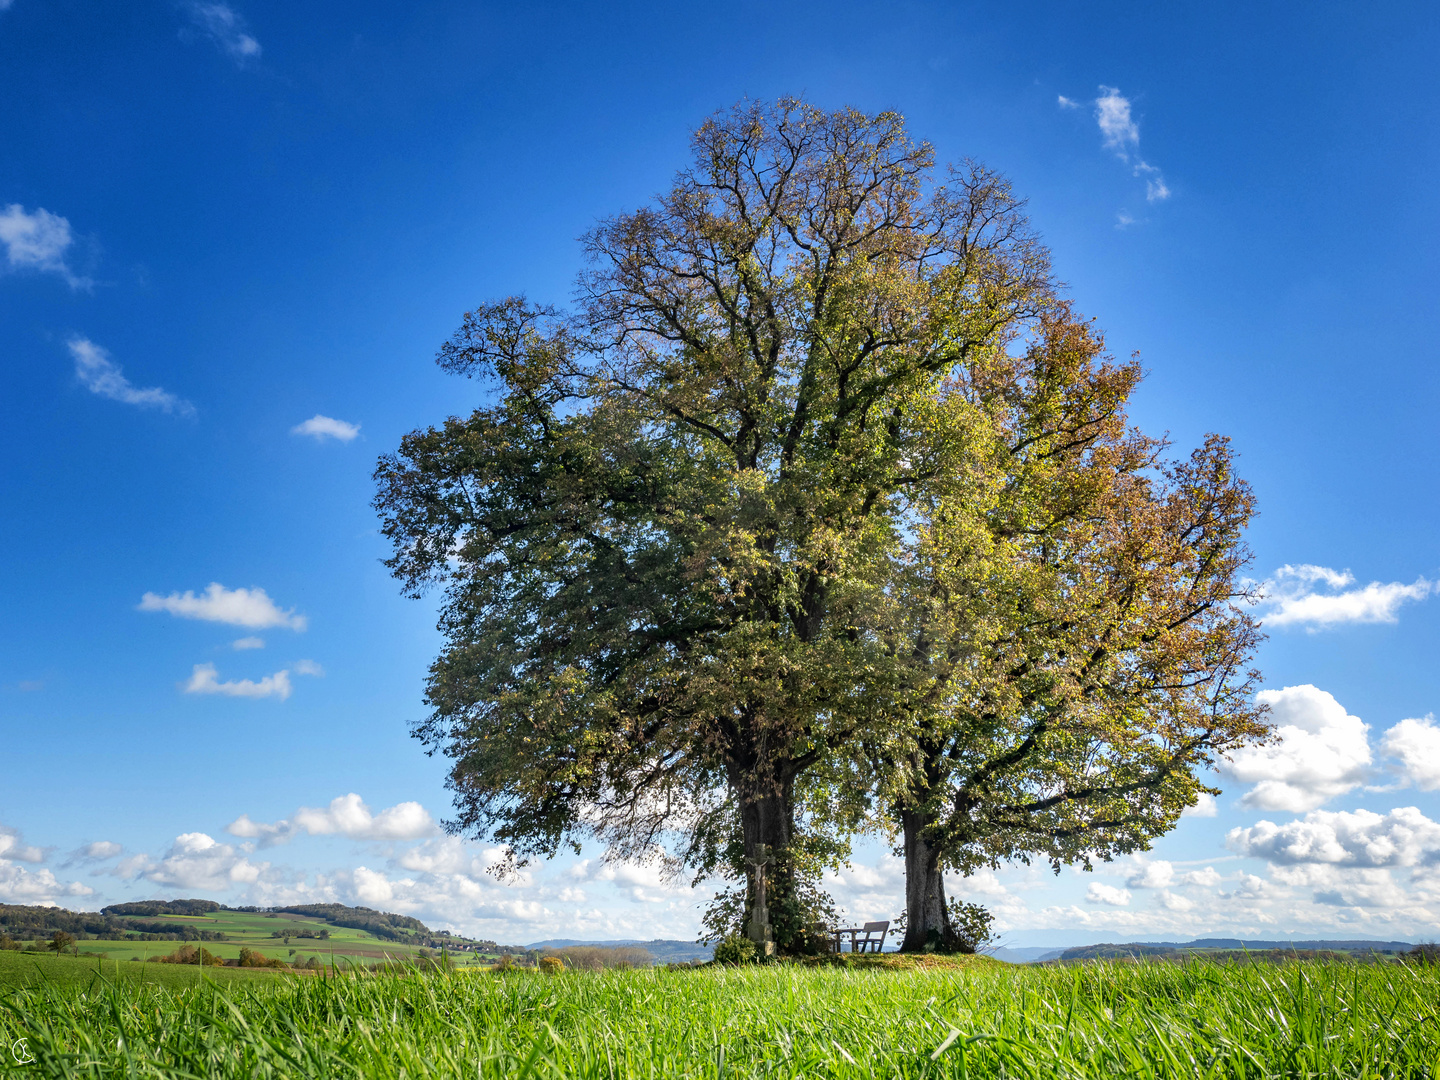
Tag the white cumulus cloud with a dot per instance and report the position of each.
(204, 679)
(197, 861)
(1205, 806)
(1152, 875)
(1415, 745)
(321, 428)
(224, 26)
(100, 850)
(308, 667)
(11, 847)
(1107, 894)
(1360, 838)
(1321, 752)
(101, 375)
(347, 815)
(1318, 597)
(21, 886)
(250, 608)
(1347, 886)
(241, 644)
(451, 855)
(38, 240)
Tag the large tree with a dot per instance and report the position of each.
(1075, 633)
(670, 547)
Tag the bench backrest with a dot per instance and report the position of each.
(877, 927)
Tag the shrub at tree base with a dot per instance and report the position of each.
(970, 928)
(735, 949)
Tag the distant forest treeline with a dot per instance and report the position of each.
(380, 923)
(20, 921)
(163, 907)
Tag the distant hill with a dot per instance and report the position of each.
(147, 918)
(22, 921)
(1025, 955)
(1115, 951)
(380, 923)
(664, 950)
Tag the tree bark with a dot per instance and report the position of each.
(767, 812)
(927, 918)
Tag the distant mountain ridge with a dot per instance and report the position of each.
(1159, 949)
(1034, 954)
(1334, 945)
(664, 950)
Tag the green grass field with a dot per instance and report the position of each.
(243, 929)
(86, 973)
(976, 1019)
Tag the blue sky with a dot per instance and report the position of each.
(219, 222)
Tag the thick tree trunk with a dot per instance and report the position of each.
(927, 921)
(767, 823)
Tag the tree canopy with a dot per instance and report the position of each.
(743, 526)
(1075, 633)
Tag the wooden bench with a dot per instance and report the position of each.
(867, 938)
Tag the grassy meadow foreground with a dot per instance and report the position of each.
(974, 1018)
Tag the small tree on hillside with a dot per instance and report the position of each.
(60, 942)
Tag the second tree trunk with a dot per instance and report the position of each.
(927, 917)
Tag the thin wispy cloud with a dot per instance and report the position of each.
(1107, 894)
(1120, 134)
(250, 608)
(38, 241)
(99, 850)
(204, 679)
(225, 27)
(101, 375)
(321, 428)
(1318, 598)
(241, 644)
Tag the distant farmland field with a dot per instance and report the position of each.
(976, 1018)
(256, 930)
